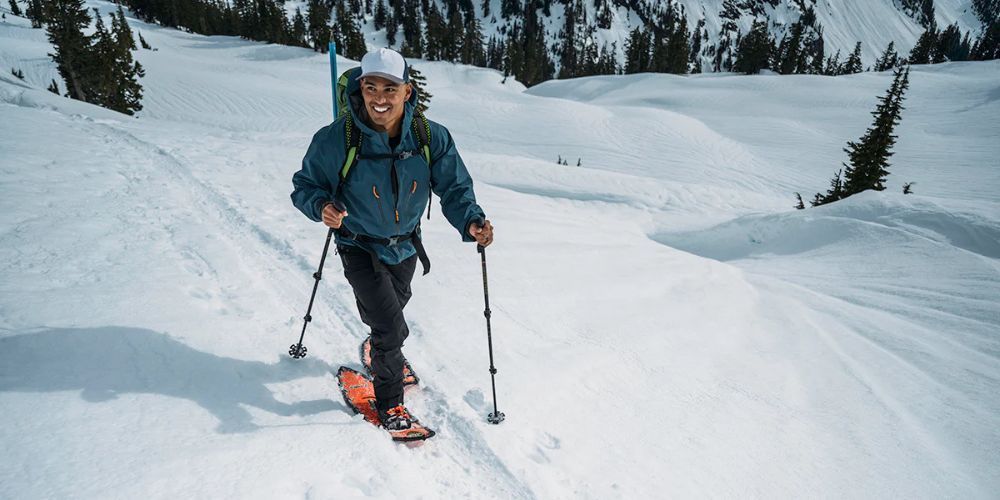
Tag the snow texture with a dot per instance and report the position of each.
(665, 324)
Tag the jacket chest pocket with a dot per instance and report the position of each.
(414, 186)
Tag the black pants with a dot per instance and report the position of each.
(382, 291)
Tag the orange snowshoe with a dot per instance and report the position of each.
(409, 378)
(359, 394)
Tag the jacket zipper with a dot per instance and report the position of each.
(395, 190)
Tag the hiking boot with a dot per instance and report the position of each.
(402, 426)
(409, 378)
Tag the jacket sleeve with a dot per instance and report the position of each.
(451, 181)
(316, 183)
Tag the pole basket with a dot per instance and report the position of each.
(496, 417)
(297, 351)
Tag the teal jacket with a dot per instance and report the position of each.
(369, 193)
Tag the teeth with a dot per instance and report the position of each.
(380, 110)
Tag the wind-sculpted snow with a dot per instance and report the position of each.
(664, 323)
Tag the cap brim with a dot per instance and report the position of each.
(387, 76)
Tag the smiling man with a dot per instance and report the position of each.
(367, 175)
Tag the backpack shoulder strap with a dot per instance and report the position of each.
(352, 139)
(422, 128)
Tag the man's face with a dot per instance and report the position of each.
(384, 101)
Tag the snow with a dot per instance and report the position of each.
(664, 323)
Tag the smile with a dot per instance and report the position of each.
(380, 109)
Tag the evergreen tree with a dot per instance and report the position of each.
(116, 73)
(836, 192)
(317, 25)
(678, 48)
(454, 36)
(637, 51)
(537, 66)
(486, 8)
(799, 205)
(419, 82)
(36, 13)
(122, 32)
(569, 58)
(380, 15)
(790, 50)
(413, 36)
(390, 30)
(869, 157)
(143, 43)
(908, 187)
(54, 87)
(66, 21)
(950, 46)
(472, 43)
(437, 31)
(853, 63)
(603, 14)
(833, 66)
(14, 8)
(18, 73)
(987, 47)
(353, 41)
(298, 33)
(924, 51)
(753, 49)
(510, 8)
(888, 60)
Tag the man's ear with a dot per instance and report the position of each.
(409, 91)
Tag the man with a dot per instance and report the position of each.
(376, 208)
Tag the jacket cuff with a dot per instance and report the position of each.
(480, 218)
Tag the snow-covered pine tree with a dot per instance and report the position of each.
(752, 55)
(66, 20)
(836, 191)
(298, 32)
(868, 164)
(925, 49)
(436, 31)
(317, 25)
(36, 13)
(419, 82)
(888, 60)
(853, 63)
(637, 51)
(472, 43)
(15, 8)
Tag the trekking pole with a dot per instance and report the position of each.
(497, 416)
(298, 350)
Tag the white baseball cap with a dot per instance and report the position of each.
(386, 63)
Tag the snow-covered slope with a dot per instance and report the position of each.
(664, 323)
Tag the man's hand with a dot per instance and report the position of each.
(333, 217)
(483, 234)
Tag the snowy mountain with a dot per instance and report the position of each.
(874, 23)
(665, 324)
